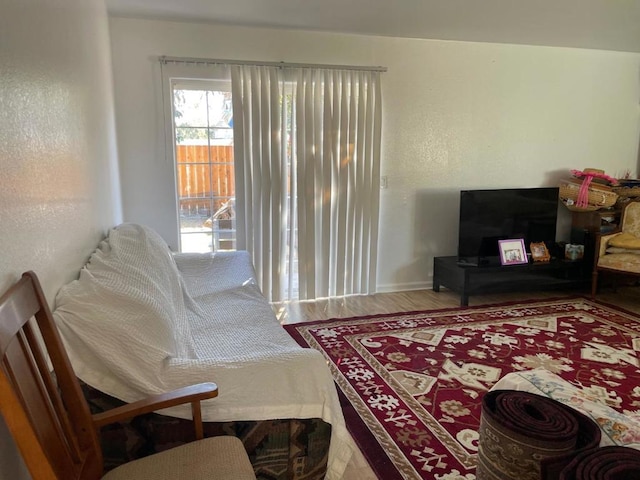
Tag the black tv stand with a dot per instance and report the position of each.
(465, 262)
(469, 279)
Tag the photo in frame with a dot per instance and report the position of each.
(539, 252)
(512, 251)
(573, 252)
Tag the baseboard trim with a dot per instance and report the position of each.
(404, 287)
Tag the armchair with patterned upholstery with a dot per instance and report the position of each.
(619, 251)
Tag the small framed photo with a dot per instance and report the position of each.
(512, 252)
(539, 252)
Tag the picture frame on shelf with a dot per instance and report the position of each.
(573, 252)
(539, 252)
(512, 251)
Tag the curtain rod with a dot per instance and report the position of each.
(209, 61)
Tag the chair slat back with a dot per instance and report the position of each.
(54, 413)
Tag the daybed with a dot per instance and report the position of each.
(141, 320)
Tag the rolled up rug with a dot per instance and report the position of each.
(606, 463)
(524, 436)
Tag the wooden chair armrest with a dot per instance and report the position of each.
(193, 394)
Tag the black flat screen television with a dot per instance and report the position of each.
(487, 216)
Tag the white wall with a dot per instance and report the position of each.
(456, 115)
(58, 166)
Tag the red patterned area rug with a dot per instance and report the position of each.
(412, 383)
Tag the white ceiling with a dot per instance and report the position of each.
(595, 24)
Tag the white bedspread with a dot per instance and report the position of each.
(140, 320)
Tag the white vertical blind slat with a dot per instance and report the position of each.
(367, 191)
(338, 210)
(254, 168)
(270, 184)
(312, 117)
(360, 186)
(327, 203)
(376, 109)
(351, 184)
(241, 143)
(265, 207)
(305, 271)
(333, 112)
(292, 237)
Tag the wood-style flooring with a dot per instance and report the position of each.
(352, 306)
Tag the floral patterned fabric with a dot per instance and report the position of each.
(417, 379)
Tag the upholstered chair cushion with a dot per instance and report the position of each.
(625, 240)
(626, 262)
(220, 458)
(623, 250)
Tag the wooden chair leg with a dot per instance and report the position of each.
(594, 283)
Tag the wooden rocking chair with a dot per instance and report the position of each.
(50, 420)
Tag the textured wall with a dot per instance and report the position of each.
(456, 115)
(58, 165)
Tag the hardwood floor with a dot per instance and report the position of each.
(296, 312)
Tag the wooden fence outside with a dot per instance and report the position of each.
(204, 172)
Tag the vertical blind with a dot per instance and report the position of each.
(307, 150)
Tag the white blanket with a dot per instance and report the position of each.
(140, 321)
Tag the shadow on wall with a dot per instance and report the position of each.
(436, 216)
